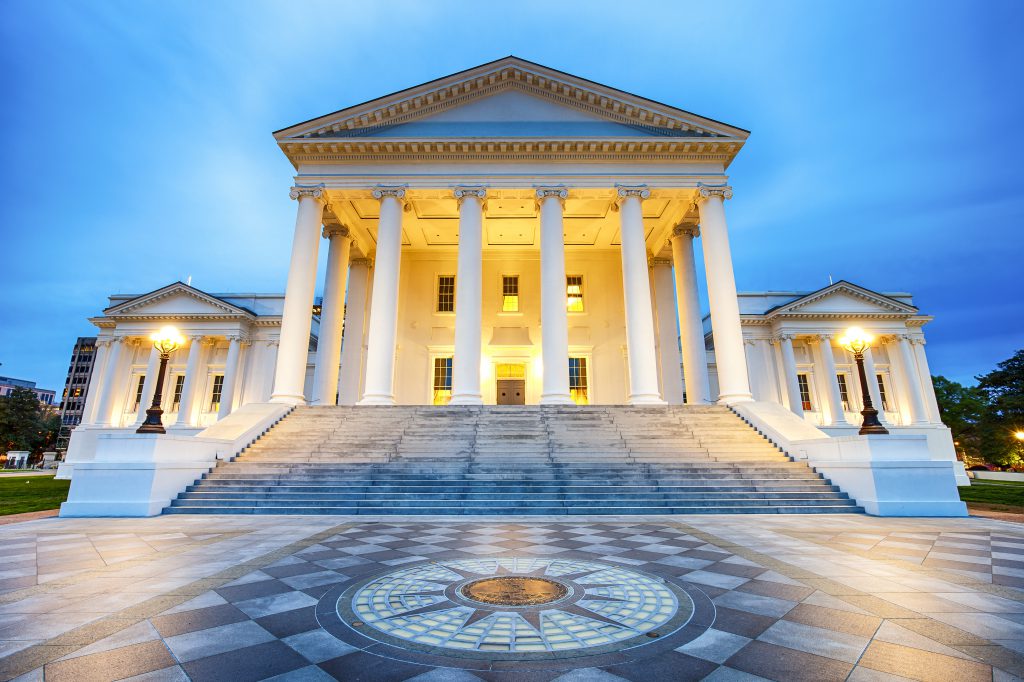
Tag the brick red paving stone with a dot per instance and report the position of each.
(916, 664)
(787, 665)
(247, 664)
(116, 664)
(197, 619)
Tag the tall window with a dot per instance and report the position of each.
(215, 394)
(578, 380)
(138, 392)
(882, 393)
(510, 294)
(179, 384)
(844, 395)
(574, 293)
(442, 380)
(805, 392)
(446, 294)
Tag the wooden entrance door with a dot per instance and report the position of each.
(511, 383)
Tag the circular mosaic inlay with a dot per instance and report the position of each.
(517, 606)
(515, 591)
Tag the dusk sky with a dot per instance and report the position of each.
(886, 144)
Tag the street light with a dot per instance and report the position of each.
(166, 341)
(1019, 435)
(857, 341)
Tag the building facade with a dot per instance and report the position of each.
(44, 395)
(510, 234)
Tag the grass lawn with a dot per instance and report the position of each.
(31, 493)
(994, 495)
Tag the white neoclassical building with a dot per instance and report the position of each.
(509, 234)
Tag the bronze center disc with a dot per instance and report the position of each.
(515, 591)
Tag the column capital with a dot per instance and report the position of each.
(917, 340)
(365, 262)
(652, 261)
(463, 191)
(318, 192)
(101, 343)
(560, 193)
(624, 192)
(691, 230)
(383, 192)
(238, 338)
(196, 338)
(273, 343)
(332, 230)
(825, 337)
(783, 337)
(705, 192)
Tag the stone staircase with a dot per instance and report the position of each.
(512, 460)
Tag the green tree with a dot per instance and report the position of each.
(963, 410)
(25, 424)
(1003, 389)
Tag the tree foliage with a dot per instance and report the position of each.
(985, 418)
(25, 424)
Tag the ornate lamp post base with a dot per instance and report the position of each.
(153, 423)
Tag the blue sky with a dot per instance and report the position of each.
(886, 142)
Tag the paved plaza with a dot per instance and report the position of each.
(628, 598)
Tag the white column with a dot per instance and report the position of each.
(925, 373)
(352, 339)
(912, 379)
(380, 356)
(297, 316)
(733, 386)
(789, 370)
(668, 331)
(835, 398)
(92, 391)
(107, 390)
(554, 322)
(227, 392)
(328, 347)
(691, 332)
(188, 387)
(149, 384)
(468, 298)
(643, 366)
(873, 390)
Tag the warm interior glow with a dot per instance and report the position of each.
(856, 340)
(167, 340)
(1019, 435)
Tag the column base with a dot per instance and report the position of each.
(646, 399)
(735, 398)
(556, 399)
(377, 400)
(288, 399)
(472, 400)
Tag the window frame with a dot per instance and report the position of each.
(177, 388)
(584, 362)
(804, 386)
(844, 390)
(437, 294)
(216, 391)
(582, 295)
(518, 295)
(883, 395)
(435, 361)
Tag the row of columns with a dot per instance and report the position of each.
(383, 316)
(107, 382)
(907, 360)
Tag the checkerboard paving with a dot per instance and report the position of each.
(795, 598)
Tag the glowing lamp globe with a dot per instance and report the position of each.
(856, 340)
(167, 340)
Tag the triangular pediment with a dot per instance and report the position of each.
(844, 298)
(176, 300)
(548, 102)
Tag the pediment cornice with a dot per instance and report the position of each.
(886, 307)
(665, 131)
(135, 308)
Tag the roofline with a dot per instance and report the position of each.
(496, 61)
(187, 286)
(835, 284)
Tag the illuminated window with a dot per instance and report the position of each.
(218, 389)
(844, 395)
(446, 294)
(578, 380)
(179, 384)
(442, 380)
(805, 392)
(510, 294)
(881, 392)
(574, 293)
(138, 392)
(78, 393)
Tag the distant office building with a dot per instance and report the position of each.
(72, 405)
(45, 395)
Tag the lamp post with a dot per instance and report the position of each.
(166, 341)
(857, 341)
